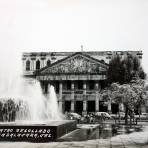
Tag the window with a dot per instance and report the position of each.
(91, 85)
(48, 62)
(68, 85)
(37, 65)
(27, 65)
(80, 84)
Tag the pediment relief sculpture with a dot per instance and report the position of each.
(78, 64)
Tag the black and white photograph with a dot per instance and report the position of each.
(73, 73)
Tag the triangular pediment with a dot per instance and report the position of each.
(78, 63)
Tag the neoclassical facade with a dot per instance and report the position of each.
(77, 77)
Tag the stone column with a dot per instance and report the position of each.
(97, 103)
(61, 105)
(84, 98)
(48, 87)
(72, 105)
(60, 90)
(84, 106)
(121, 107)
(109, 106)
(97, 88)
(42, 59)
(84, 87)
(32, 64)
(72, 97)
(60, 96)
(42, 62)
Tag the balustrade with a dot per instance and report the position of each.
(78, 91)
(90, 92)
(91, 97)
(66, 92)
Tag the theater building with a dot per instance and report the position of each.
(77, 77)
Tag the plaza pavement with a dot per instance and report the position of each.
(133, 140)
(116, 142)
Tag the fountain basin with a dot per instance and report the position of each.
(35, 132)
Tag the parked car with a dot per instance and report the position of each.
(103, 114)
(142, 116)
(116, 116)
(74, 116)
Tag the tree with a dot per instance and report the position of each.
(132, 96)
(115, 71)
(139, 88)
(123, 71)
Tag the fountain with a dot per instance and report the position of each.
(26, 114)
(30, 107)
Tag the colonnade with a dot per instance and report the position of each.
(84, 97)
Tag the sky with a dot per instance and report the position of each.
(65, 25)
